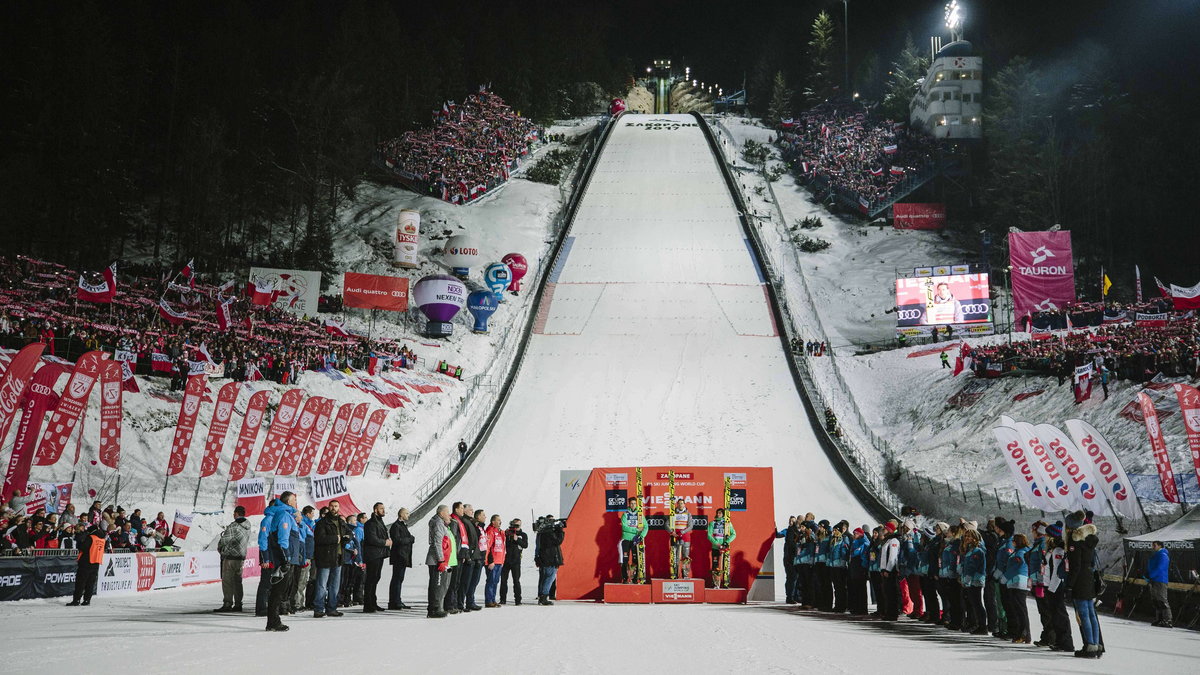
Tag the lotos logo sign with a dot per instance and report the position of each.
(1088, 492)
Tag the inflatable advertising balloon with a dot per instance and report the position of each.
(481, 305)
(439, 297)
(496, 277)
(461, 254)
(518, 266)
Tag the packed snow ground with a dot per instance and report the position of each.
(176, 631)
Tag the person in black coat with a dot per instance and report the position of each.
(515, 541)
(330, 537)
(469, 562)
(791, 537)
(377, 547)
(548, 557)
(991, 544)
(402, 544)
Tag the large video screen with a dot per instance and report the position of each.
(943, 300)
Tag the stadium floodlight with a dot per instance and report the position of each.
(954, 20)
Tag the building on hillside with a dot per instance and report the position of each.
(949, 99)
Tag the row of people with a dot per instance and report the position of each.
(22, 534)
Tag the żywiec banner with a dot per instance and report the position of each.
(281, 427)
(249, 434)
(314, 439)
(252, 495)
(295, 291)
(918, 216)
(70, 408)
(374, 291)
(1043, 274)
(189, 408)
(1189, 408)
(39, 398)
(1105, 465)
(1162, 459)
(217, 428)
(340, 425)
(327, 487)
(353, 437)
(111, 412)
(370, 433)
(298, 438)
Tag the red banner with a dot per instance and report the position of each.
(249, 434)
(189, 408)
(1189, 408)
(222, 413)
(1162, 459)
(102, 292)
(918, 216)
(161, 363)
(373, 291)
(298, 438)
(352, 438)
(70, 408)
(13, 386)
(370, 433)
(279, 430)
(314, 439)
(1043, 274)
(252, 493)
(336, 436)
(111, 410)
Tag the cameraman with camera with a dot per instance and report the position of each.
(548, 554)
(515, 541)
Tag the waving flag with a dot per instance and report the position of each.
(103, 292)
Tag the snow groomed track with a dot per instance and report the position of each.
(655, 342)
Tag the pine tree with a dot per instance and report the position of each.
(820, 81)
(909, 67)
(781, 100)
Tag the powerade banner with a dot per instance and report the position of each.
(592, 542)
(374, 291)
(943, 300)
(1043, 274)
(918, 216)
(23, 578)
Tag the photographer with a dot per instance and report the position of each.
(548, 556)
(330, 536)
(515, 541)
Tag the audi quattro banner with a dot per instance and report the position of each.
(949, 300)
(374, 291)
(918, 216)
(1043, 274)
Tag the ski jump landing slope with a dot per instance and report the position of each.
(654, 343)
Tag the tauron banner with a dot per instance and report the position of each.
(111, 410)
(39, 398)
(70, 408)
(248, 436)
(189, 408)
(918, 216)
(222, 413)
(1106, 466)
(1162, 458)
(279, 430)
(252, 495)
(1189, 407)
(314, 439)
(374, 291)
(1073, 465)
(1043, 273)
(370, 433)
(353, 437)
(298, 437)
(327, 487)
(340, 425)
(1056, 491)
(1013, 449)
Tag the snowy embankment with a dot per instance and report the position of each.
(521, 216)
(895, 408)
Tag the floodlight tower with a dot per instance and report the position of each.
(954, 20)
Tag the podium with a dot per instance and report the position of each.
(731, 596)
(627, 593)
(677, 591)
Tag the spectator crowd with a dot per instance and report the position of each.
(470, 149)
(22, 533)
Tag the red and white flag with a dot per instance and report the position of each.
(189, 408)
(70, 408)
(103, 291)
(353, 436)
(224, 314)
(111, 412)
(298, 438)
(222, 414)
(1189, 408)
(370, 433)
(1137, 275)
(280, 429)
(314, 439)
(1162, 288)
(1083, 383)
(1185, 298)
(255, 410)
(183, 523)
(169, 313)
(340, 425)
(1162, 459)
(261, 293)
(161, 363)
(336, 328)
(13, 385)
(330, 486)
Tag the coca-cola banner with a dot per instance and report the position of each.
(279, 430)
(1162, 459)
(222, 412)
(340, 425)
(39, 398)
(918, 216)
(70, 408)
(1189, 407)
(1043, 275)
(248, 436)
(298, 437)
(189, 408)
(1105, 466)
(111, 404)
(353, 437)
(252, 495)
(314, 439)
(370, 433)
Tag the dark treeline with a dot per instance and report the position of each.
(232, 131)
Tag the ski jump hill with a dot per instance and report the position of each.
(656, 344)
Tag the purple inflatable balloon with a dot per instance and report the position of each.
(440, 296)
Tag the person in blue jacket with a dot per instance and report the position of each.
(279, 523)
(948, 584)
(297, 548)
(1016, 579)
(1157, 568)
(839, 559)
(805, 553)
(352, 563)
(1004, 549)
(860, 563)
(824, 594)
(931, 565)
(972, 573)
(1037, 585)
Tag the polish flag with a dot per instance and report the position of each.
(103, 292)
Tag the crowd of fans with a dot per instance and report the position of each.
(260, 342)
(470, 148)
(839, 147)
(959, 576)
(132, 532)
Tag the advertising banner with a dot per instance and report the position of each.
(186, 425)
(1013, 449)
(168, 570)
(959, 299)
(408, 239)
(359, 464)
(340, 425)
(280, 429)
(1105, 465)
(201, 567)
(918, 216)
(327, 487)
(314, 439)
(1162, 458)
(25, 578)
(252, 495)
(217, 428)
(1189, 408)
(255, 409)
(298, 437)
(1073, 466)
(39, 397)
(374, 291)
(283, 484)
(352, 438)
(1043, 274)
(69, 410)
(295, 291)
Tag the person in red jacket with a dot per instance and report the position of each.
(495, 552)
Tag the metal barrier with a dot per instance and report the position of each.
(39, 553)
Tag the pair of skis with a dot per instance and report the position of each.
(721, 574)
(639, 557)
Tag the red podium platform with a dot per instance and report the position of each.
(733, 596)
(677, 590)
(627, 593)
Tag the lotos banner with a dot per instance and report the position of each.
(314, 439)
(1105, 466)
(374, 291)
(298, 438)
(340, 425)
(1055, 488)
(353, 437)
(1074, 467)
(181, 525)
(252, 495)
(189, 408)
(1162, 459)
(1189, 408)
(370, 433)
(279, 430)
(111, 412)
(918, 216)
(327, 487)
(39, 397)
(1043, 273)
(255, 410)
(1028, 485)
(71, 406)
(217, 428)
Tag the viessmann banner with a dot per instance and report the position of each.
(374, 291)
(1043, 274)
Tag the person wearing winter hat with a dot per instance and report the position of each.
(991, 606)
(1082, 541)
(889, 601)
(1004, 549)
(931, 559)
(860, 561)
(1016, 577)
(1037, 584)
(1054, 575)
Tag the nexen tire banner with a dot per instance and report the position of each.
(1043, 273)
